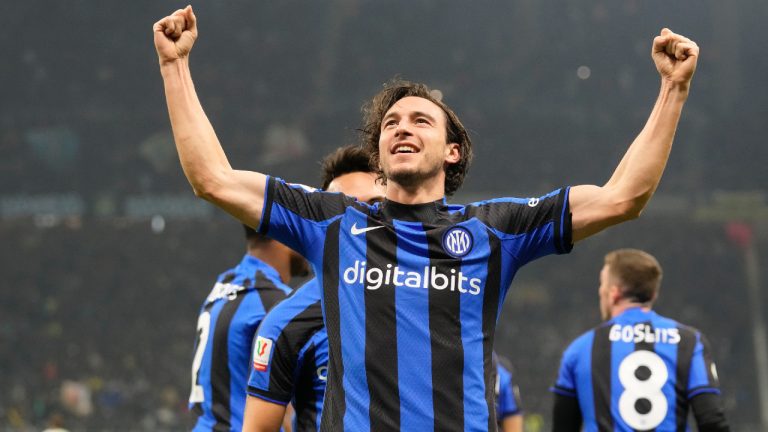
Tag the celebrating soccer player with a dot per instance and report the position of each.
(638, 370)
(412, 287)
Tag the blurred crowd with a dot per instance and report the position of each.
(550, 98)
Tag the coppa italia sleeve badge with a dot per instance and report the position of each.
(261, 351)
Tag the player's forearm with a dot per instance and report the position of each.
(638, 174)
(262, 416)
(202, 158)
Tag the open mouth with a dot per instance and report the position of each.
(404, 148)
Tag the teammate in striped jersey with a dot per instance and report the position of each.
(509, 414)
(637, 371)
(226, 326)
(294, 363)
(412, 287)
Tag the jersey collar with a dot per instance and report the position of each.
(251, 264)
(430, 211)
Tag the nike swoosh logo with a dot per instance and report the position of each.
(357, 231)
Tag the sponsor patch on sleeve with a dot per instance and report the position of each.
(261, 351)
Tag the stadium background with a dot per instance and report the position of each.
(106, 253)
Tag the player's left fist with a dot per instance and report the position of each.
(675, 56)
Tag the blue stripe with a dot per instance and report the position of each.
(581, 371)
(242, 329)
(415, 359)
(351, 301)
(699, 376)
(474, 265)
(571, 393)
(703, 390)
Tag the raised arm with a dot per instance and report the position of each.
(635, 179)
(240, 193)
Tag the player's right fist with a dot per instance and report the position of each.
(175, 35)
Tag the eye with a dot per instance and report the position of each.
(390, 122)
(422, 120)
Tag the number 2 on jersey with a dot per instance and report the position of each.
(643, 405)
(196, 395)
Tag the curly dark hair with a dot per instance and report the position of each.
(376, 108)
(345, 160)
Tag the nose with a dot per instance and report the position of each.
(403, 129)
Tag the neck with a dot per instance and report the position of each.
(424, 192)
(273, 258)
(621, 307)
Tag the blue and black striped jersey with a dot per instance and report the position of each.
(507, 393)
(225, 329)
(411, 295)
(294, 364)
(637, 371)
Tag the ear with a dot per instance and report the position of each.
(614, 293)
(452, 153)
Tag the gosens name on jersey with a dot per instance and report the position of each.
(411, 306)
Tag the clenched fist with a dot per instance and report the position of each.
(675, 56)
(175, 35)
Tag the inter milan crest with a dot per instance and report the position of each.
(457, 241)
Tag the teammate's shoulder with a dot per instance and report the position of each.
(582, 341)
(302, 308)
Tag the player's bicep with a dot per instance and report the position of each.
(241, 194)
(262, 415)
(593, 209)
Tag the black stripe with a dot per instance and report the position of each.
(269, 293)
(334, 404)
(220, 376)
(445, 338)
(380, 332)
(491, 294)
(601, 378)
(306, 397)
(229, 277)
(682, 373)
(292, 338)
(563, 242)
(268, 200)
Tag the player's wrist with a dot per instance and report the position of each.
(675, 89)
(170, 69)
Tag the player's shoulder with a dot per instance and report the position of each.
(583, 342)
(532, 201)
(665, 321)
(329, 201)
(516, 215)
(300, 313)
